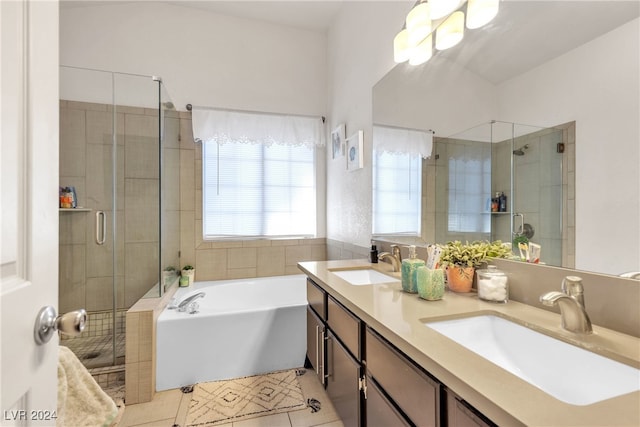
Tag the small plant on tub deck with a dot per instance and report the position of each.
(461, 260)
(189, 272)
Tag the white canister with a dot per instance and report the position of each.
(493, 285)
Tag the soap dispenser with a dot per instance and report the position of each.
(409, 271)
(373, 254)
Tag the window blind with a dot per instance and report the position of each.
(397, 193)
(253, 190)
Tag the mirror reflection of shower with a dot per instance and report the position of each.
(520, 151)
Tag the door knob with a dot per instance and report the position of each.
(48, 321)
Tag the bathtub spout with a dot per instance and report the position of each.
(184, 304)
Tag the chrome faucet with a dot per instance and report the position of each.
(394, 257)
(185, 303)
(571, 301)
(631, 275)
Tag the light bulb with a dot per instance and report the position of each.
(481, 12)
(418, 24)
(422, 52)
(451, 31)
(401, 49)
(441, 8)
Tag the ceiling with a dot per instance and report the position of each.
(523, 35)
(314, 15)
(526, 34)
(309, 15)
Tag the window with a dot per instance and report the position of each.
(397, 193)
(253, 190)
(469, 187)
(397, 179)
(259, 173)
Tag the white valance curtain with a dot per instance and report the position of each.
(226, 126)
(395, 140)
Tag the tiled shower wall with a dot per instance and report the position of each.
(229, 259)
(545, 187)
(86, 269)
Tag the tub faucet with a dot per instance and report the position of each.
(393, 257)
(571, 301)
(631, 275)
(185, 303)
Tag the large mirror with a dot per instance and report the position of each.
(507, 97)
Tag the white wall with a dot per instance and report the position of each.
(598, 86)
(360, 54)
(204, 58)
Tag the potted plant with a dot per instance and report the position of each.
(190, 273)
(462, 259)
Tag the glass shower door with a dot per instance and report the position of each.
(538, 189)
(110, 152)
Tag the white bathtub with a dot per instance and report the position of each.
(244, 327)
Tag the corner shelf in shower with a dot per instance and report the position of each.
(74, 209)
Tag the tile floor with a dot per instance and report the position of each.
(169, 408)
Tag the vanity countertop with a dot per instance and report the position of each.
(500, 395)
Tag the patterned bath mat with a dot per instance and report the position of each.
(219, 402)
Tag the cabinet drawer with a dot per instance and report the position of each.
(461, 414)
(415, 393)
(345, 325)
(381, 412)
(317, 298)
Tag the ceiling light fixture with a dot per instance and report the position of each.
(445, 18)
(451, 31)
(442, 8)
(481, 12)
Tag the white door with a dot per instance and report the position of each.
(29, 208)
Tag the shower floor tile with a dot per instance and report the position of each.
(96, 351)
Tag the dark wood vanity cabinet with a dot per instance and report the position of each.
(334, 351)
(415, 393)
(381, 412)
(343, 382)
(369, 381)
(317, 299)
(461, 414)
(316, 329)
(344, 363)
(316, 343)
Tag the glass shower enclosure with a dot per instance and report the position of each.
(119, 153)
(525, 163)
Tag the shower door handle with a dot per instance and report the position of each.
(101, 227)
(520, 230)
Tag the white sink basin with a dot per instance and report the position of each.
(364, 276)
(566, 372)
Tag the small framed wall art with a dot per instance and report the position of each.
(338, 136)
(355, 149)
